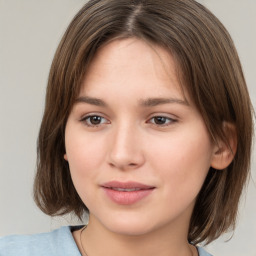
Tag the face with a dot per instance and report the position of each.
(138, 151)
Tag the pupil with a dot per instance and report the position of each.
(95, 119)
(160, 120)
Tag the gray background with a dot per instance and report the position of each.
(29, 33)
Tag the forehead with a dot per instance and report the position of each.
(131, 62)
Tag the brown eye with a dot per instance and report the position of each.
(162, 120)
(94, 120)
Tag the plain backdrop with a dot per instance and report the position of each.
(29, 33)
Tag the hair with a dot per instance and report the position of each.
(210, 71)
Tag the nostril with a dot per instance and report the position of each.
(124, 166)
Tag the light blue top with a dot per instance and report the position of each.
(59, 242)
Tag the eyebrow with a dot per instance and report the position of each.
(150, 102)
(91, 100)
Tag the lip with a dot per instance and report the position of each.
(126, 193)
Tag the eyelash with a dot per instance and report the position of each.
(87, 118)
(165, 118)
(156, 118)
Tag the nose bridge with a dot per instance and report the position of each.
(126, 149)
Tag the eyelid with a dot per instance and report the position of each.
(172, 119)
(87, 116)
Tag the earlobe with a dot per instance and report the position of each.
(65, 157)
(225, 151)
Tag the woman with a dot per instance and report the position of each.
(147, 128)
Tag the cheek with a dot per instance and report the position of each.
(183, 162)
(180, 151)
(84, 161)
(85, 154)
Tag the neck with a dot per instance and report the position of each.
(98, 241)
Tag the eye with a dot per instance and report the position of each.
(94, 120)
(162, 120)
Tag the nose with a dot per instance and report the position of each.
(126, 149)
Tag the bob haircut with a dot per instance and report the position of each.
(209, 70)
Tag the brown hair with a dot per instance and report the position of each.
(210, 71)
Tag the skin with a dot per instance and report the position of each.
(128, 144)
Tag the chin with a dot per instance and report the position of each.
(130, 226)
(130, 230)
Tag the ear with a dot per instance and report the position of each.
(224, 151)
(65, 157)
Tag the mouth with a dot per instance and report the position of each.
(126, 189)
(126, 193)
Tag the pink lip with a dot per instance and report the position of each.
(136, 191)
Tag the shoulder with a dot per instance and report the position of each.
(202, 252)
(57, 242)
